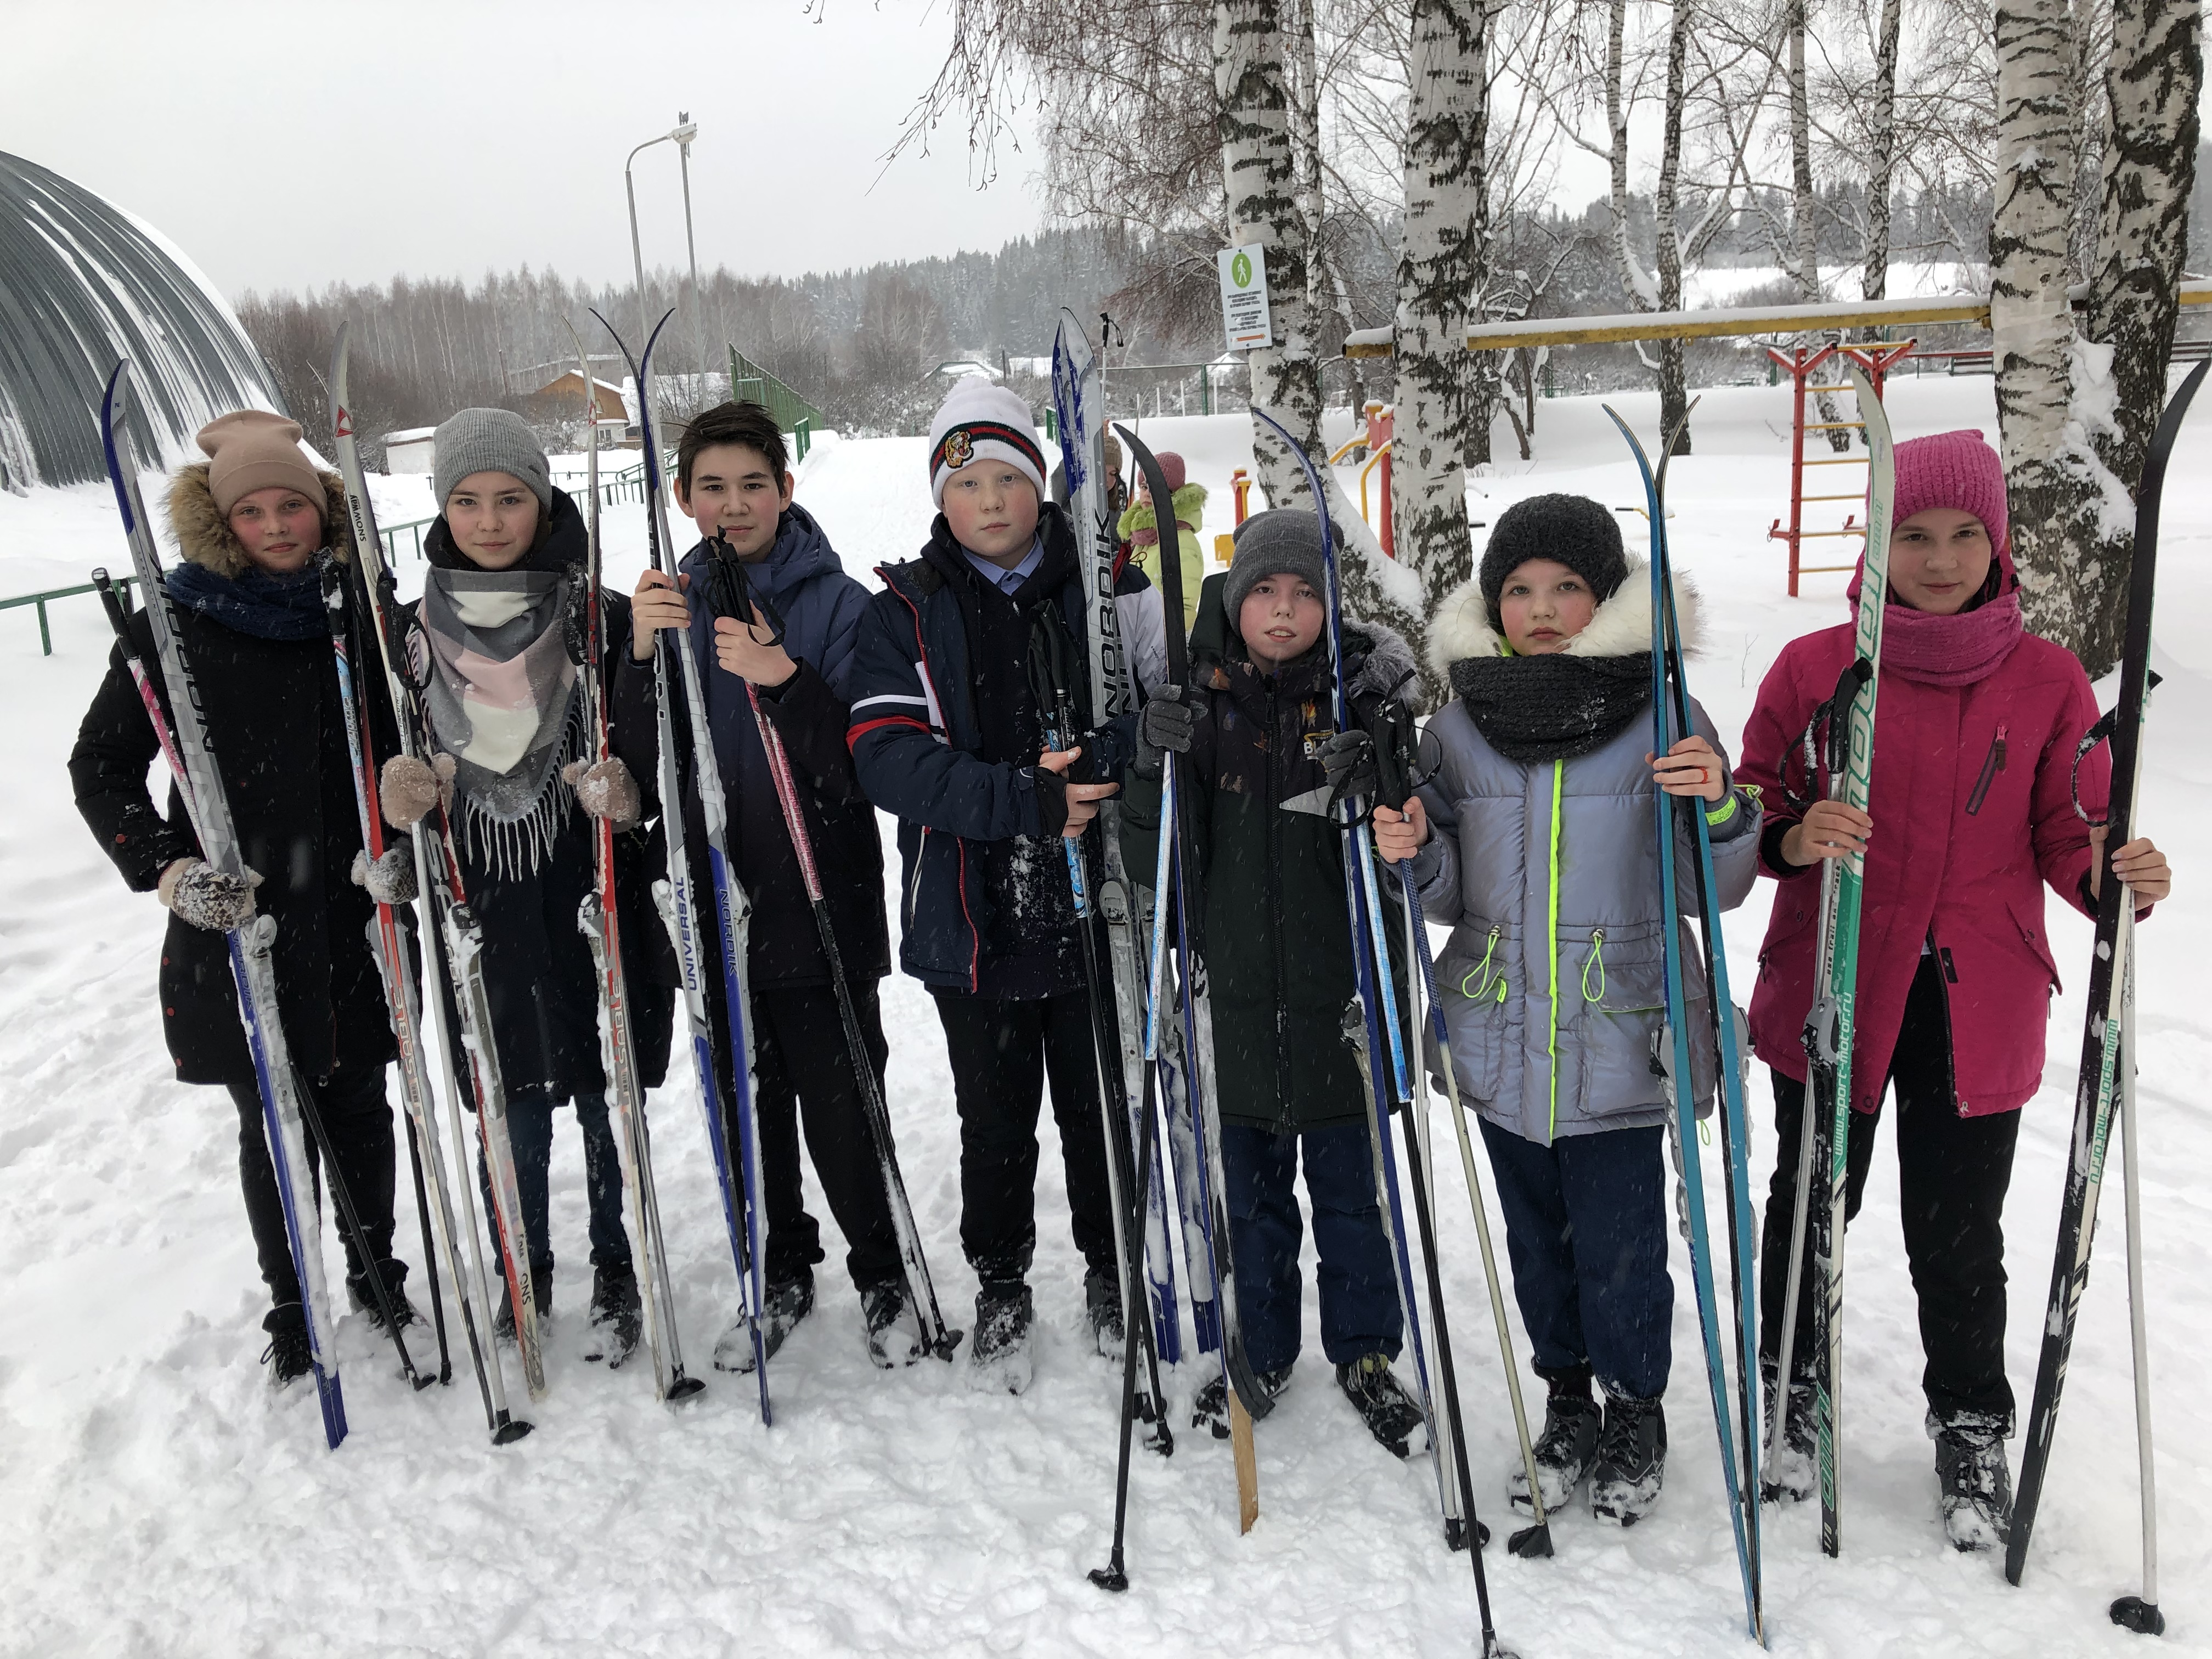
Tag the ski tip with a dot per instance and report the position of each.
(1115, 1578)
(510, 1430)
(2132, 1611)
(1531, 1543)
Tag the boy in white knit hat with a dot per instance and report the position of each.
(956, 729)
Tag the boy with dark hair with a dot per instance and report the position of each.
(733, 480)
(947, 733)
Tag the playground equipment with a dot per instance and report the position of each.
(1801, 363)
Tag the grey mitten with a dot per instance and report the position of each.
(198, 893)
(410, 787)
(605, 789)
(1347, 760)
(1170, 719)
(390, 879)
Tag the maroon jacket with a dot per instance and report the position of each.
(1972, 814)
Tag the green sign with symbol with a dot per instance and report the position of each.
(1244, 297)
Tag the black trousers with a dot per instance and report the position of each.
(357, 1117)
(806, 1075)
(1002, 1051)
(1953, 1175)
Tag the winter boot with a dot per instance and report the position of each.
(1564, 1450)
(1792, 1471)
(361, 1296)
(788, 1301)
(892, 1343)
(1210, 1410)
(287, 1355)
(1393, 1417)
(1975, 1479)
(1630, 1465)
(541, 1293)
(1102, 1312)
(1000, 1356)
(618, 1316)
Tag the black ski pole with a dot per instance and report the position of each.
(429, 1253)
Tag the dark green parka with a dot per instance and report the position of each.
(1270, 879)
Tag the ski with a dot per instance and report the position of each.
(599, 918)
(456, 935)
(2105, 1057)
(732, 596)
(1670, 718)
(189, 747)
(678, 899)
(1113, 692)
(1372, 1020)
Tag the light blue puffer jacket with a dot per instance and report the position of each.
(1553, 982)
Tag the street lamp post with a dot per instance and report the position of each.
(682, 133)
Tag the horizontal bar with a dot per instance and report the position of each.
(1849, 495)
(1841, 460)
(1810, 426)
(59, 593)
(1807, 534)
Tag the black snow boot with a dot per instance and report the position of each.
(1393, 1417)
(361, 1295)
(287, 1356)
(1565, 1448)
(1792, 1471)
(1975, 1479)
(788, 1301)
(541, 1293)
(891, 1344)
(618, 1316)
(1101, 1311)
(1210, 1410)
(998, 1358)
(1630, 1465)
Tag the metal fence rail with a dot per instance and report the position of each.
(41, 601)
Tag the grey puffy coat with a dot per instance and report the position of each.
(1553, 982)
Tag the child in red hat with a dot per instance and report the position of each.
(1971, 813)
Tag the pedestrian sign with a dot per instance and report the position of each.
(1244, 297)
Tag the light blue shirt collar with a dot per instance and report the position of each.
(1009, 581)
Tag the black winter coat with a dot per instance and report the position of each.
(279, 736)
(820, 606)
(1271, 914)
(537, 963)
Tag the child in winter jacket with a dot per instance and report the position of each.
(949, 725)
(1266, 868)
(1139, 529)
(1536, 846)
(248, 600)
(733, 479)
(1970, 814)
(491, 641)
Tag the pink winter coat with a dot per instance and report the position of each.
(1972, 814)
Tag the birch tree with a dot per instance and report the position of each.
(1881, 156)
(1440, 273)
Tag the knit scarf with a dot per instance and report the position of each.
(1953, 650)
(1538, 708)
(503, 704)
(256, 602)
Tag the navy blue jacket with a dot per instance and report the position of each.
(805, 583)
(917, 743)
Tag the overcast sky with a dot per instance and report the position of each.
(283, 143)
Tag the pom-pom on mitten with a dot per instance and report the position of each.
(605, 789)
(411, 787)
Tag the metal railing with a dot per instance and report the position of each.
(39, 601)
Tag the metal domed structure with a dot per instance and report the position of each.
(81, 283)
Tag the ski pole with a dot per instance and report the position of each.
(2140, 1612)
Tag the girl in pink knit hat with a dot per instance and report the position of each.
(1970, 814)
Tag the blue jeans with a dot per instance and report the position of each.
(1359, 1309)
(530, 1130)
(1586, 1229)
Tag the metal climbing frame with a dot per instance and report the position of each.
(1801, 363)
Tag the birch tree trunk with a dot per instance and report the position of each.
(1438, 274)
(1804, 228)
(2032, 328)
(1325, 288)
(1881, 153)
(1251, 78)
(1642, 293)
(2152, 83)
(1674, 384)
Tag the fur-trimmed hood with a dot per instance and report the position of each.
(1461, 627)
(204, 537)
(1387, 669)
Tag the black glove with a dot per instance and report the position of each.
(1347, 758)
(1169, 722)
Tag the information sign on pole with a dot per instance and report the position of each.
(1244, 297)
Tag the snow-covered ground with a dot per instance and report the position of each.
(158, 1502)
